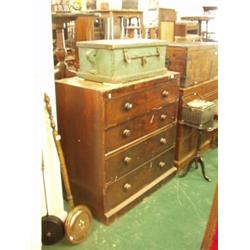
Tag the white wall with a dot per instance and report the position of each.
(183, 8)
(43, 78)
(44, 66)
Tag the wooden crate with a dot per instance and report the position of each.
(197, 62)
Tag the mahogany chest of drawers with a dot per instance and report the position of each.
(118, 139)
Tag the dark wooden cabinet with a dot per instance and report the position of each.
(186, 136)
(118, 139)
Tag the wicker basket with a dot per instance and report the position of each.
(197, 111)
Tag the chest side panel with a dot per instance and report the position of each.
(202, 64)
(80, 123)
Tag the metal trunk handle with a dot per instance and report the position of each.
(91, 56)
(143, 59)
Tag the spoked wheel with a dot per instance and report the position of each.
(52, 230)
(78, 224)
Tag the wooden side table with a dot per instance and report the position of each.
(197, 159)
(59, 20)
(124, 15)
(199, 19)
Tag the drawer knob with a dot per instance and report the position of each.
(128, 106)
(127, 186)
(163, 141)
(163, 117)
(164, 93)
(162, 164)
(126, 133)
(127, 159)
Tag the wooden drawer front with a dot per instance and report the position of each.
(140, 126)
(203, 89)
(123, 162)
(136, 180)
(126, 107)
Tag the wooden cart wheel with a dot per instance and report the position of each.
(78, 224)
(52, 229)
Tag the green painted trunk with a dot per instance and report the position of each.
(118, 61)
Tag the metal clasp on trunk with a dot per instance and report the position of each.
(143, 59)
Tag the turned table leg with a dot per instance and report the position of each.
(60, 52)
(197, 160)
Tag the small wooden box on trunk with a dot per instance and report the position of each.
(118, 61)
(197, 62)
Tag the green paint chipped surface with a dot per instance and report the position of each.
(172, 218)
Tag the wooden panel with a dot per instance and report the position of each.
(167, 14)
(77, 110)
(204, 89)
(202, 65)
(195, 63)
(128, 159)
(166, 31)
(84, 31)
(137, 179)
(128, 131)
(180, 29)
(184, 131)
(183, 29)
(176, 58)
(187, 145)
(141, 101)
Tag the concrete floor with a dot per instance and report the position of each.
(172, 218)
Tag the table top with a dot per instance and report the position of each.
(123, 11)
(209, 8)
(69, 16)
(197, 18)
